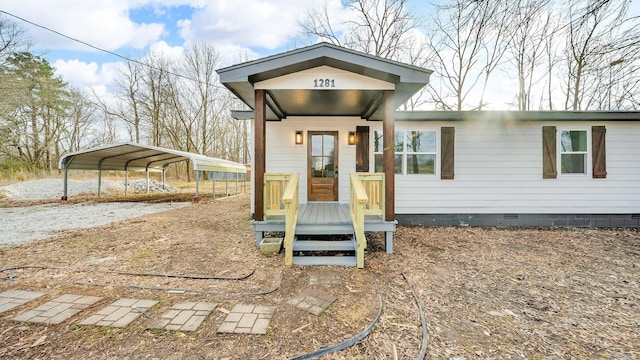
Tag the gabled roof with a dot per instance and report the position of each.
(240, 78)
(129, 156)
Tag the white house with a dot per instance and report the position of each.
(332, 156)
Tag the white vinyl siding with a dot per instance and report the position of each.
(284, 156)
(498, 169)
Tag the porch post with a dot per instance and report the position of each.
(388, 124)
(259, 155)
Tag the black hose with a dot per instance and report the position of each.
(204, 292)
(346, 343)
(191, 277)
(425, 335)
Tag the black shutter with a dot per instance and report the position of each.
(549, 169)
(362, 149)
(447, 161)
(599, 158)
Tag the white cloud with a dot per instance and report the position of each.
(249, 23)
(104, 23)
(82, 75)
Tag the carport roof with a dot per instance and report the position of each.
(130, 156)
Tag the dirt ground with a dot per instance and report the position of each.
(487, 293)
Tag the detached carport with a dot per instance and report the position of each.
(137, 157)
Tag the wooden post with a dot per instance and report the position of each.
(388, 153)
(259, 154)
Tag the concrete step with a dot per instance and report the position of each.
(325, 260)
(319, 245)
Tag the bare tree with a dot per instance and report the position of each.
(599, 32)
(455, 41)
(376, 27)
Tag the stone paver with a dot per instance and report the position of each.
(247, 319)
(324, 278)
(312, 301)
(13, 298)
(185, 316)
(58, 309)
(120, 313)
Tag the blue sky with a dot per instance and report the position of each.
(239, 29)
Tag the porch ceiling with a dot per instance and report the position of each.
(240, 80)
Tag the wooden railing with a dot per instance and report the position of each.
(281, 198)
(373, 184)
(359, 200)
(290, 200)
(274, 187)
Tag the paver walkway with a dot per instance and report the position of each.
(247, 319)
(120, 313)
(185, 316)
(324, 278)
(58, 309)
(13, 298)
(312, 301)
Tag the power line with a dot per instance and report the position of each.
(99, 48)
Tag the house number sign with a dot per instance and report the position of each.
(324, 83)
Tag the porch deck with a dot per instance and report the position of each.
(324, 218)
(323, 214)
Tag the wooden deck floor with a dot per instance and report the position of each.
(323, 213)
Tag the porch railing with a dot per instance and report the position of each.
(373, 184)
(359, 200)
(290, 200)
(274, 187)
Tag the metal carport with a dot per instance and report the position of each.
(130, 156)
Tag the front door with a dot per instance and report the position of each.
(322, 172)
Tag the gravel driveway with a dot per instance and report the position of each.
(23, 224)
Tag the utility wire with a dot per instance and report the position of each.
(99, 48)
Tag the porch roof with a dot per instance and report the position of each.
(240, 80)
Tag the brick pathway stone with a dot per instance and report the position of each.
(13, 298)
(185, 316)
(247, 319)
(324, 278)
(120, 313)
(312, 301)
(58, 309)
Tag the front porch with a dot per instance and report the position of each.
(315, 231)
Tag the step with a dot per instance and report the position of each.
(325, 260)
(319, 245)
(324, 229)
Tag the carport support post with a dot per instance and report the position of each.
(99, 181)
(213, 195)
(226, 180)
(126, 181)
(236, 183)
(64, 197)
(197, 187)
(147, 171)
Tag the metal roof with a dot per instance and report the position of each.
(130, 156)
(497, 115)
(240, 79)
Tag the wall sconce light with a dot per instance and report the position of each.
(298, 137)
(352, 137)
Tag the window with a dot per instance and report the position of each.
(415, 152)
(574, 149)
(573, 152)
